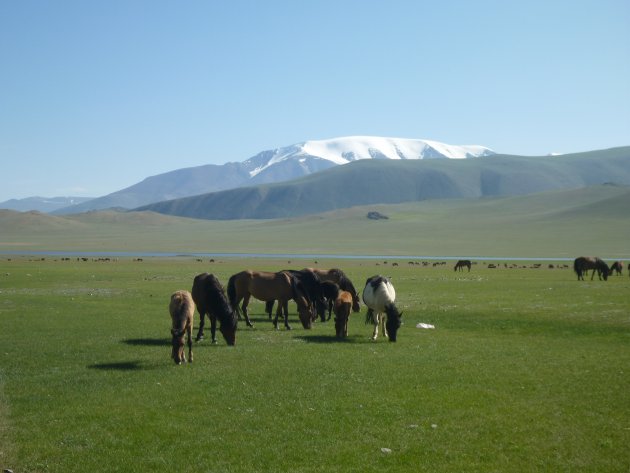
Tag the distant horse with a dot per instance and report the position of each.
(379, 295)
(210, 299)
(463, 263)
(266, 286)
(342, 308)
(616, 267)
(182, 310)
(337, 276)
(582, 264)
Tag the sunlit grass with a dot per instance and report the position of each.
(526, 370)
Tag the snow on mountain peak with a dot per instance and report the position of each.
(352, 148)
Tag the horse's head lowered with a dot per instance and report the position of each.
(393, 321)
(177, 353)
(228, 329)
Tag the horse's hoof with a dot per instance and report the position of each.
(214, 342)
(288, 327)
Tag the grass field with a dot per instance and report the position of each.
(526, 370)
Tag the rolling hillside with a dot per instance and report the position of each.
(389, 182)
(562, 224)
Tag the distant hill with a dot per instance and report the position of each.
(564, 223)
(281, 164)
(368, 182)
(42, 204)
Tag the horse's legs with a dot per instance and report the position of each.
(202, 321)
(385, 334)
(269, 307)
(213, 327)
(377, 317)
(244, 309)
(593, 275)
(189, 333)
(285, 308)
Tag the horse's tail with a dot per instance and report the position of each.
(369, 317)
(577, 266)
(231, 293)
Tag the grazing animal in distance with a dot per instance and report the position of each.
(463, 263)
(210, 299)
(616, 267)
(582, 264)
(379, 295)
(342, 307)
(182, 310)
(267, 286)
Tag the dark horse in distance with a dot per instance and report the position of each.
(463, 263)
(582, 264)
(210, 300)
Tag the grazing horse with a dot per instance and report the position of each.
(312, 285)
(337, 276)
(210, 300)
(582, 264)
(182, 309)
(343, 308)
(267, 286)
(330, 291)
(616, 267)
(379, 295)
(463, 263)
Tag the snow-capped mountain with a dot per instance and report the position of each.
(339, 151)
(281, 164)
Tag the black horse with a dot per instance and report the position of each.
(210, 300)
(582, 264)
(463, 263)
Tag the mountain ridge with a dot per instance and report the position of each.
(368, 182)
(269, 166)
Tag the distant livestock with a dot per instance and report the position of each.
(582, 264)
(616, 267)
(461, 264)
(182, 310)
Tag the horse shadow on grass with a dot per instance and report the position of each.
(325, 339)
(120, 366)
(147, 342)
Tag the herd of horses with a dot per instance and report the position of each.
(316, 292)
(583, 264)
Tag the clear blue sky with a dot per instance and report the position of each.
(97, 95)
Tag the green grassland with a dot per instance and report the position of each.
(526, 370)
(559, 224)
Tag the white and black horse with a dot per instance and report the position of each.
(379, 296)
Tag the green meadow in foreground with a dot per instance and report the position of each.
(527, 369)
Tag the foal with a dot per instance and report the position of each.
(182, 309)
(343, 308)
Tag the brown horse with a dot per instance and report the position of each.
(182, 309)
(267, 286)
(342, 308)
(616, 267)
(582, 264)
(463, 263)
(337, 276)
(210, 300)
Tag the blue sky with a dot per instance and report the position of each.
(96, 96)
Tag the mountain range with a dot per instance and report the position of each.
(281, 164)
(367, 182)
